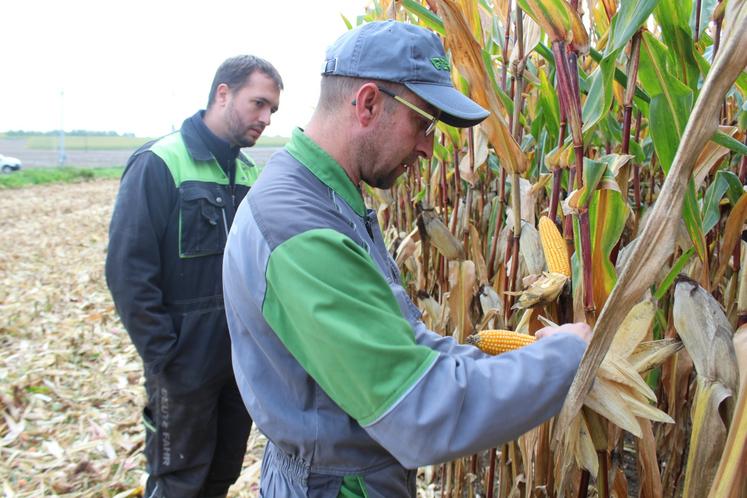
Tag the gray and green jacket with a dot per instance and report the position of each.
(171, 218)
(331, 357)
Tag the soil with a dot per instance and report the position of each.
(71, 389)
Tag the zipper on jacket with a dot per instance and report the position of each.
(225, 221)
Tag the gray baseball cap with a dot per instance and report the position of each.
(407, 54)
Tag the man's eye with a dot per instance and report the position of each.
(258, 104)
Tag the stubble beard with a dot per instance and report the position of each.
(237, 130)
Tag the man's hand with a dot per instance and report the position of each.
(580, 329)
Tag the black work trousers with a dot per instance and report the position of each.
(195, 438)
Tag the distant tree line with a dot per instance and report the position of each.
(74, 133)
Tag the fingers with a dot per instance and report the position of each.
(579, 329)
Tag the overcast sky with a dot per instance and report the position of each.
(141, 67)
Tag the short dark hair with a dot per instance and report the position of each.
(235, 71)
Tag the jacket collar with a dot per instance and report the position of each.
(196, 146)
(325, 168)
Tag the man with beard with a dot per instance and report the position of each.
(332, 360)
(176, 202)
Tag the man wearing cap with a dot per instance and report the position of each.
(335, 366)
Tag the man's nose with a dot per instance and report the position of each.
(424, 145)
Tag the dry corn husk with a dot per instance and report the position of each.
(731, 479)
(707, 335)
(545, 289)
(441, 237)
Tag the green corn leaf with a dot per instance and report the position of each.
(693, 223)
(548, 100)
(673, 17)
(628, 19)
(676, 269)
(712, 202)
(425, 15)
(729, 142)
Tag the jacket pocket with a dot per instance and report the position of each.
(202, 221)
(203, 350)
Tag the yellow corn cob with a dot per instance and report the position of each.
(553, 246)
(499, 341)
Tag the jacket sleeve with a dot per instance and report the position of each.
(146, 197)
(424, 398)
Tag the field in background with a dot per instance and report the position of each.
(48, 142)
(41, 151)
(65, 174)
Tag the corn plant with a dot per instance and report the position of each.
(608, 186)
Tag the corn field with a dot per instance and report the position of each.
(607, 186)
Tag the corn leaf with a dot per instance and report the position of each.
(548, 99)
(608, 213)
(732, 234)
(674, 18)
(677, 267)
(426, 16)
(725, 182)
(558, 20)
(466, 53)
(657, 238)
(729, 142)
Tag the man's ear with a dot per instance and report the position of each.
(367, 103)
(221, 94)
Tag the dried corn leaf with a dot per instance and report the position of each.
(466, 54)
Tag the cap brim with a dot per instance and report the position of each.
(456, 108)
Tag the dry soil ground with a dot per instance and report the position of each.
(70, 381)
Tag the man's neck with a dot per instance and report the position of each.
(335, 141)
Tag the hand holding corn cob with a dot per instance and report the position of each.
(502, 341)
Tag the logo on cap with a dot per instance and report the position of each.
(441, 63)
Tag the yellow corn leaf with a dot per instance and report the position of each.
(731, 478)
(622, 372)
(642, 409)
(559, 20)
(633, 330)
(472, 15)
(605, 399)
(653, 353)
(466, 54)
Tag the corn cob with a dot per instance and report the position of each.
(441, 237)
(553, 246)
(499, 341)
